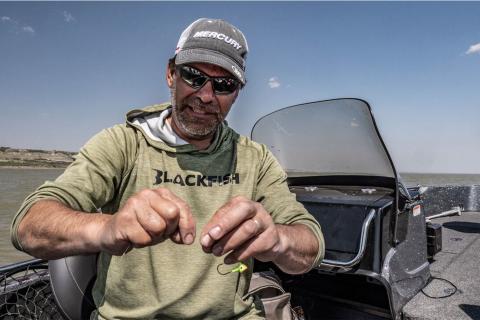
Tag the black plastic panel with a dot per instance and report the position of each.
(341, 225)
(341, 212)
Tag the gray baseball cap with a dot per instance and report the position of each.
(213, 41)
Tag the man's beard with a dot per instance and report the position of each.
(192, 126)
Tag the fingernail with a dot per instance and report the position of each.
(205, 240)
(188, 238)
(215, 232)
(217, 250)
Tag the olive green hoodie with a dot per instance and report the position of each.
(171, 281)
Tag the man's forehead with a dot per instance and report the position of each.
(211, 69)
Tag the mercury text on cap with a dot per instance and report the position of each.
(219, 36)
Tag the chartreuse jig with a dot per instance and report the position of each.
(241, 267)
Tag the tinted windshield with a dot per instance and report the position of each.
(334, 137)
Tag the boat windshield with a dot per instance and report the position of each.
(333, 137)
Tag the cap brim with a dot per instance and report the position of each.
(212, 57)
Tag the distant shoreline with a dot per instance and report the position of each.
(29, 167)
(34, 158)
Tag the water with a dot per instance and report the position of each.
(439, 179)
(16, 184)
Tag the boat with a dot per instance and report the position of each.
(392, 252)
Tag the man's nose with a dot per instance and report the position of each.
(206, 93)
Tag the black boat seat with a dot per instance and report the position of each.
(72, 279)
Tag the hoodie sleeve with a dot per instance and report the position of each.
(91, 180)
(274, 194)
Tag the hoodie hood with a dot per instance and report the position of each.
(218, 159)
(224, 135)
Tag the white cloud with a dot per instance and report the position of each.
(28, 29)
(273, 82)
(9, 21)
(15, 27)
(475, 48)
(68, 17)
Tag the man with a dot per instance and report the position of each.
(175, 195)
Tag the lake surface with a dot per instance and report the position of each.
(439, 179)
(16, 184)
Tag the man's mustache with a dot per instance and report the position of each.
(198, 104)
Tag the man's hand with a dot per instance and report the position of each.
(51, 230)
(147, 218)
(243, 227)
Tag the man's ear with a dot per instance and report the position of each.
(170, 75)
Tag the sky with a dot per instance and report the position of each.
(70, 69)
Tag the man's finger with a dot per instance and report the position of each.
(176, 237)
(186, 222)
(228, 217)
(186, 225)
(151, 221)
(168, 211)
(237, 237)
(242, 253)
(263, 247)
(153, 224)
(206, 240)
(138, 236)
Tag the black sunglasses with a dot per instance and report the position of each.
(197, 79)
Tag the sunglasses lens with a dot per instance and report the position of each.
(196, 79)
(224, 85)
(193, 77)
